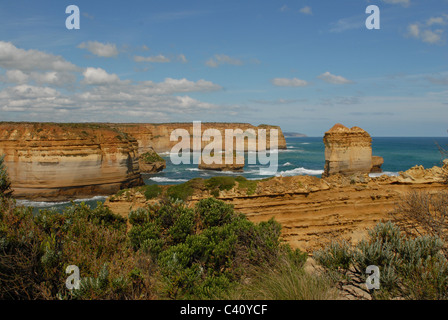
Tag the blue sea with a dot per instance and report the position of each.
(303, 156)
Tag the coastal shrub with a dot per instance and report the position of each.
(5, 183)
(220, 183)
(203, 252)
(152, 191)
(151, 156)
(410, 268)
(213, 212)
(36, 249)
(420, 213)
(169, 250)
(184, 190)
(249, 185)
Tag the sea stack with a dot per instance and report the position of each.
(236, 165)
(348, 151)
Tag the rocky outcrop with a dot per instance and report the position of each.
(151, 162)
(349, 151)
(54, 162)
(313, 211)
(377, 162)
(157, 136)
(234, 165)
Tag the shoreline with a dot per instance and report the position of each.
(311, 210)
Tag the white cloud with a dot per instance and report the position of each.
(414, 30)
(99, 49)
(220, 59)
(306, 10)
(331, 78)
(98, 76)
(350, 23)
(182, 58)
(155, 59)
(16, 76)
(294, 82)
(26, 98)
(437, 20)
(404, 3)
(170, 85)
(103, 96)
(424, 32)
(12, 57)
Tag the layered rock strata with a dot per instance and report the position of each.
(157, 136)
(236, 164)
(349, 151)
(55, 162)
(377, 162)
(313, 211)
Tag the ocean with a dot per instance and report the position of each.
(303, 156)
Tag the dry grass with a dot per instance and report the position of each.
(286, 281)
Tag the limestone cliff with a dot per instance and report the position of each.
(53, 162)
(157, 136)
(312, 211)
(348, 151)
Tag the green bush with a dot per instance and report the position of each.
(205, 249)
(213, 212)
(5, 183)
(216, 184)
(36, 249)
(151, 156)
(168, 251)
(249, 185)
(152, 191)
(180, 191)
(410, 268)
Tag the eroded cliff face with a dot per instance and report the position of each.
(54, 162)
(157, 136)
(348, 151)
(314, 211)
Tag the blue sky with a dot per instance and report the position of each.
(303, 65)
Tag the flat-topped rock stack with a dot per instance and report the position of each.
(349, 151)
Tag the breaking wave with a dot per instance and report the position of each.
(44, 204)
(387, 173)
(163, 179)
(300, 171)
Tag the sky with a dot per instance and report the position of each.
(302, 65)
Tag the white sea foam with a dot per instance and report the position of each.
(379, 174)
(42, 204)
(287, 164)
(163, 179)
(300, 171)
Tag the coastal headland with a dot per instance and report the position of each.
(64, 161)
(312, 211)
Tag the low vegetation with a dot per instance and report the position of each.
(151, 157)
(410, 252)
(163, 251)
(168, 250)
(5, 183)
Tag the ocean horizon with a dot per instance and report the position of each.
(303, 156)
